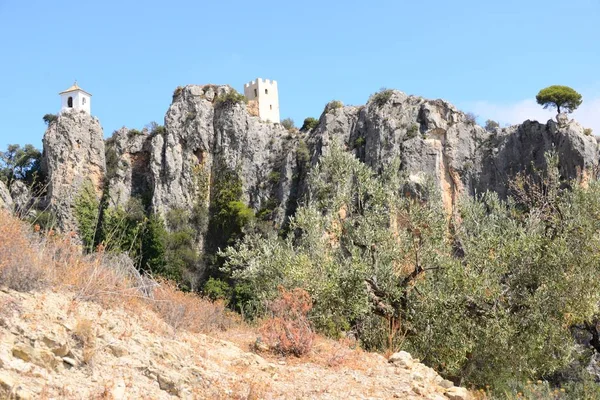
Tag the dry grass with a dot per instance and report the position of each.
(289, 330)
(33, 260)
(85, 333)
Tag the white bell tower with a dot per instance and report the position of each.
(75, 98)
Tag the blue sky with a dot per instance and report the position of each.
(490, 58)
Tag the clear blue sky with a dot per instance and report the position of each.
(482, 55)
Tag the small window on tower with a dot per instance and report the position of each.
(70, 102)
(271, 106)
(255, 92)
(83, 101)
(266, 91)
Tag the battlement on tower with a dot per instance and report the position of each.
(266, 94)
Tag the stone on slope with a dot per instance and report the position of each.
(6, 201)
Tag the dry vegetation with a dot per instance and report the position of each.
(35, 260)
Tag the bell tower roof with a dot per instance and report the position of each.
(74, 88)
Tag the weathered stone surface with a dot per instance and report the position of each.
(22, 197)
(6, 201)
(127, 162)
(458, 393)
(402, 359)
(23, 351)
(73, 154)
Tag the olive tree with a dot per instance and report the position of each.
(564, 98)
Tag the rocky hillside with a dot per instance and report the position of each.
(54, 346)
(203, 135)
(89, 327)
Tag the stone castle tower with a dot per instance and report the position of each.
(75, 98)
(265, 93)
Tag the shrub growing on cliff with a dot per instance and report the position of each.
(491, 125)
(383, 96)
(288, 124)
(310, 123)
(49, 118)
(230, 98)
(87, 213)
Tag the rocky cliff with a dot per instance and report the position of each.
(6, 201)
(207, 134)
(73, 156)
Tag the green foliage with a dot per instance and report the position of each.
(22, 163)
(489, 301)
(122, 229)
(50, 118)
(491, 125)
(228, 213)
(274, 177)
(561, 97)
(154, 243)
(217, 289)
(310, 123)
(383, 96)
(359, 142)
(588, 131)
(412, 131)
(230, 98)
(302, 153)
(87, 213)
(288, 124)
(134, 132)
(333, 105)
(112, 159)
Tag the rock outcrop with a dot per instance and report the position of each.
(54, 345)
(6, 201)
(174, 166)
(73, 156)
(208, 134)
(434, 139)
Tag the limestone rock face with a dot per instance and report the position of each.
(73, 154)
(434, 140)
(431, 138)
(6, 201)
(202, 138)
(127, 161)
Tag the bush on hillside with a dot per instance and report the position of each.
(310, 123)
(383, 96)
(230, 98)
(288, 330)
(489, 302)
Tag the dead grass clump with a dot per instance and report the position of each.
(85, 333)
(21, 268)
(289, 331)
(189, 311)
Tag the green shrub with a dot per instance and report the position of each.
(288, 124)
(50, 118)
(489, 302)
(87, 213)
(230, 98)
(333, 105)
(382, 97)
(359, 142)
(310, 123)
(412, 131)
(588, 131)
(217, 289)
